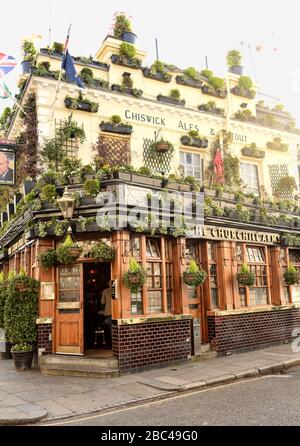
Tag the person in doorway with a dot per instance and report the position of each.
(106, 300)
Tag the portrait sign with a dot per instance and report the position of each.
(7, 167)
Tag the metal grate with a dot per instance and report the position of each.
(157, 162)
(69, 146)
(276, 172)
(113, 150)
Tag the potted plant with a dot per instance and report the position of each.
(20, 313)
(135, 277)
(162, 146)
(234, 59)
(158, 72)
(291, 275)
(29, 53)
(5, 345)
(122, 28)
(194, 139)
(194, 276)
(20, 283)
(58, 47)
(173, 98)
(102, 252)
(116, 126)
(68, 252)
(190, 78)
(245, 277)
(81, 104)
(126, 56)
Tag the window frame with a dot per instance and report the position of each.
(201, 161)
(250, 188)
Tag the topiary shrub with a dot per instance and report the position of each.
(21, 311)
(233, 58)
(128, 50)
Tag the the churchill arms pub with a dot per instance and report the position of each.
(174, 188)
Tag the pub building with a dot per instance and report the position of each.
(165, 320)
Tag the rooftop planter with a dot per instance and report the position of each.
(122, 28)
(243, 92)
(157, 76)
(253, 152)
(132, 91)
(188, 81)
(245, 115)
(276, 144)
(169, 100)
(194, 141)
(210, 107)
(125, 61)
(90, 62)
(211, 91)
(234, 60)
(81, 104)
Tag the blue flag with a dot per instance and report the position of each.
(68, 65)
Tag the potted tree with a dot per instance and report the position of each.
(20, 313)
(102, 252)
(234, 59)
(194, 276)
(135, 277)
(245, 277)
(122, 28)
(29, 53)
(291, 275)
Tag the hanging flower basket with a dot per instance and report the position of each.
(135, 277)
(245, 277)
(102, 252)
(291, 275)
(163, 146)
(194, 276)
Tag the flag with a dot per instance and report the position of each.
(68, 64)
(4, 91)
(7, 63)
(219, 167)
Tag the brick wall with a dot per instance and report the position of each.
(45, 337)
(153, 344)
(252, 330)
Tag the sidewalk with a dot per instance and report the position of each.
(26, 397)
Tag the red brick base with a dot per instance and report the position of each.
(45, 337)
(252, 330)
(141, 346)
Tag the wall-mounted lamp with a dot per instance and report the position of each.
(66, 204)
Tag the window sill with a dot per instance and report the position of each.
(257, 309)
(152, 319)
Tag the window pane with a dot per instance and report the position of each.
(258, 296)
(191, 163)
(249, 175)
(136, 303)
(154, 301)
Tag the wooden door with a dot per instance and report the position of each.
(69, 310)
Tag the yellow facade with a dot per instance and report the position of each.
(147, 115)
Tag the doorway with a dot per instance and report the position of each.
(97, 334)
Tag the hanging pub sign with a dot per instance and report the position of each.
(7, 163)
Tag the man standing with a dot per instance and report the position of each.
(106, 300)
(6, 173)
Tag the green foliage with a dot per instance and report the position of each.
(194, 134)
(48, 193)
(157, 67)
(217, 82)
(279, 107)
(277, 144)
(207, 73)
(71, 167)
(48, 258)
(91, 188)
(86, 74)
(75, 103)
(3, 295)
(52, 153)
(21, 310)
(244, 115)
(245, 82)
(116, 119)
(175, 93)
(231, 170)
(65, 255)
(58, 47)
(144, 171)
(121, 24)
(5, 119)
(128, 50)
(291, 275)
(102, 252)
(193, 276)
(233, 58)
(285, 186)
(190, 72)
(28, 50)
(70, 129)
(245, 277)
(135, 277)
(21, 348)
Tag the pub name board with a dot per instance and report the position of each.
(238, 235)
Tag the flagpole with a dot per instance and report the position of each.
(59, 81)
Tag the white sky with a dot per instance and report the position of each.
(187, 31)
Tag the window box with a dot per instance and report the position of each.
(88, 201)
(142, 179)
(124, 176)
(76, 104)
(125, 62)
(162, 77)
(132, 91)
(209, 192)
(253, 153)
(90, 227)
(169, 100)
(214, 111)
(194, 142)
(182, 80)
(208, 89)
(122, 129)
